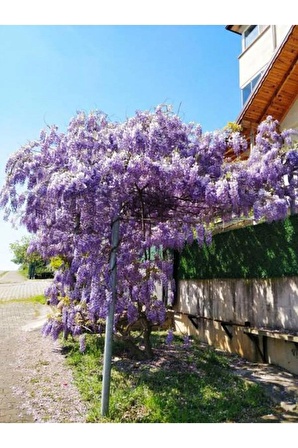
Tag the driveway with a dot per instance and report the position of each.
(35, 383)
(14, 286)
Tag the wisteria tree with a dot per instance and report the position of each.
(166, 182)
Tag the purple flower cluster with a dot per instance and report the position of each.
(166, 180)
(170, 337)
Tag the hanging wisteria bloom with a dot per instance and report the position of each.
(170, 337)
(165, 180)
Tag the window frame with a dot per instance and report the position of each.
(250, 34)
(250, 87)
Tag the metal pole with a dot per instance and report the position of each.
(110, 322)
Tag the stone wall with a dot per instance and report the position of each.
(257, 319)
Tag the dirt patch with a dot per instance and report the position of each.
(279, 384)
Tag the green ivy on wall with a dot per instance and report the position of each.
(259, 251)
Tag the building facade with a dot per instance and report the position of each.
(256, 318)
(268, 75)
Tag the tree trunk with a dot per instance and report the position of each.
(139, 350)
(147, 342)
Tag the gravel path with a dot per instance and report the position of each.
(36, 384)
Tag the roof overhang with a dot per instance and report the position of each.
(277, 89)
(234, 28)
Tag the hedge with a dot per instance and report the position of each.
(259, 251)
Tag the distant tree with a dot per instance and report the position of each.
(19, 250)
(30, 263)
(163, 180)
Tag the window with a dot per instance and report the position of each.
(251, 33)
(246, 91)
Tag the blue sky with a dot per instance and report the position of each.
(49, 72)
(53, 65)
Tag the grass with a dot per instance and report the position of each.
(34, 299)
(23, 271)
(180, 385)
